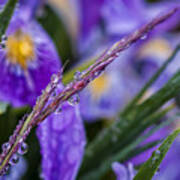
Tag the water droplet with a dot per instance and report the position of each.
(111, 58)
(3, 44)
(23, 149)
(21, 140)
(14, 159)
(117, 54)
(109, 52)
(58, 110)
(6, 169)
(5, 146)
(143, 37)
(127, 46)
(54, 78)
(96, 74)
(155, 155)
(4, 38)
(78, 75)
(158, 152)
(53, 94)
(74, 100)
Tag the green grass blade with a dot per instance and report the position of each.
(143, 111)
(151, 81)
(123, 154)
(149, 168)
(6, 15)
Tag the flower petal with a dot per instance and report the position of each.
(14, 84)
(62, 142)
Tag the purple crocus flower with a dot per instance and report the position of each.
(28, 60)
(169, 168)
(62, 141)
(25, 5)
(123, 16)
(90, 15)
(120, 18)
(122, 172)
(109, 20)
(17, 171)
(109, 93)
(150, 54)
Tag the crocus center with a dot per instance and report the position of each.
(99, 86)
(156, 47)
(20, 49)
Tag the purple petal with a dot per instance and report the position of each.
(17, 171)
(62, 142)
(120, 18)
(162, 133)
(15, 86)
(108, 94)
(90, 15)
(122, 172)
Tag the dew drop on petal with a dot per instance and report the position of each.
(3, 45)
(143, 37)
(14, 159)
(53, 94)
(4, 38)
(58, 110)
(96, 74)
(6, 169)
(23, 149)
(74, 100)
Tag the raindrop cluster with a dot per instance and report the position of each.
(23, 148)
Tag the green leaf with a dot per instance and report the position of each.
(95, 152)
(131, 125)
(3, 107)
(124, 153)
(151, 81)
(68, 76)
(6, 14)
(149, 168)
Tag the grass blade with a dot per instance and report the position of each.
(149, 168)
(6, 15)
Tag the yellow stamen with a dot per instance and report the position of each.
(99, 86)
(20, 49)
(156, 47)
